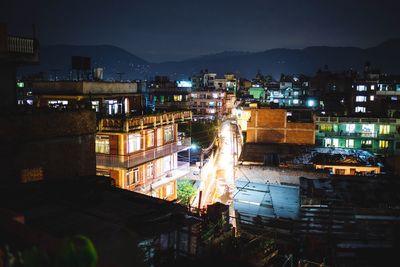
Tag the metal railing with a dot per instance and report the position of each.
(128, 161)
(21, 45)
(357, 135)
(182, 169)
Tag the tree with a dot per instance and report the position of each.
(186, 191)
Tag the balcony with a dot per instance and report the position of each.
(127, 124)
(125, 161)
(357, 135)
(181, 170)
(20, 49)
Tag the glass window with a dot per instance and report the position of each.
(371, 97)
(133, 143)
(372, 87)
(177, 98)
(149, 170)
(150, 138)
(384, 129)
(361, 98)
(132, 176)
(95, 106)
(360, 109)
(335, 142)
(367, 130)
(383, 144)
(168, 134)
(326, 127)
(361, 88)
(350, 128)
(328, 142)
(169, 189)
(350, 143)
(102, 144)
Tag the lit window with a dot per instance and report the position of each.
(361, 98)
(360, 109)
(368, 130)
(211, 104)
(150, 138)
(102, 144)
(383, 144)
(350, 143)
(168, 134)
(215, 95)
(361, 88)
(394, 98)
(328, 142)
(326, 128)
(133, 143)
(95, 106)
(371, 98)
(149, 170)
(177, 98)
(132, 176)
(372, 87)
(384, 129)
(169, 189)
(350, 128)
(335, 142)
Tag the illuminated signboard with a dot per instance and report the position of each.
(184, 83)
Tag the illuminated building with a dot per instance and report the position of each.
(137, 150)
(378, 135)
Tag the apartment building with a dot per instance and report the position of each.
(140, 153)
(137, 150)
(377, 135)
(209, 104)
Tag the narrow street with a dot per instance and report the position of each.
(219, 184)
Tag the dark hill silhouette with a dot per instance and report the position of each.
(385, 56)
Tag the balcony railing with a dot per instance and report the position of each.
(355, 120)
(21, 45)
(138, 122)
(125, 161)
(357, 135)
(182, 169)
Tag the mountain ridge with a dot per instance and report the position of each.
(115, 60)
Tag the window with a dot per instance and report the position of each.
(169, 189)
(112, 107)
(361, 88)
(102, 144)
(366, 143)
(372, 87)
(211, 104)
(132, 176)
(149, 170)
(367, 130)
(350, 128)
(95, 106)
(383, 144)
(335, 142)
(168, 134)
(133, 143)
(361, 98)
(167, 163)
(371, 98)
(360, 109)
(326, 127)
(328, 142)
(384, 129)
(177, 98)
(150, 138)
(350, 143)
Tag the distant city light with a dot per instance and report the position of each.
(184, 83)
(311, 103)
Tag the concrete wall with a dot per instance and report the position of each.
(47, 145)
(271, 126)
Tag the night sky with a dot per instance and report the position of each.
(159, 30)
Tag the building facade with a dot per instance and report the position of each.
(268, 125)
(141, 153)
(377, 135)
